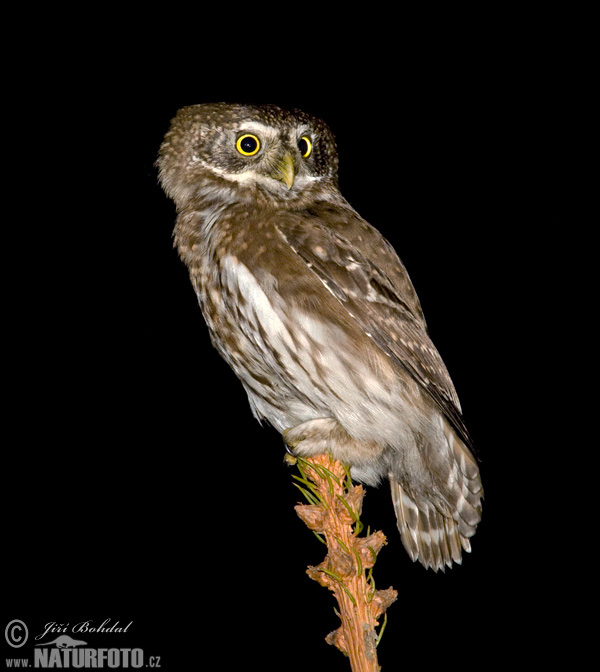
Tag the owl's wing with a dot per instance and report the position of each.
(361, 269)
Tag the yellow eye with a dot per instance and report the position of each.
(305, 146)
(248, 144)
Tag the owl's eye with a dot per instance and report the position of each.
(248, 144)
(305, 146)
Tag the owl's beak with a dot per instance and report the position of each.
(286, 170)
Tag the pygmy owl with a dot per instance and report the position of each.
(316, 314)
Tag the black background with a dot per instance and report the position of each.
(137, 486)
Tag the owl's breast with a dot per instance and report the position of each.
(298, 353)
(238, 304)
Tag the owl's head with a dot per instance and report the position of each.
(247, 148)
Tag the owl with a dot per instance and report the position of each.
(315, 313)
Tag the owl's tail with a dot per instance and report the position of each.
(436, 536)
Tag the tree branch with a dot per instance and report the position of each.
(333, 514)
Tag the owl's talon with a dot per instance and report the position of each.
(291, 443)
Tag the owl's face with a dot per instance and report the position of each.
(253, 148)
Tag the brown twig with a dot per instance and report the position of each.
(334, 515)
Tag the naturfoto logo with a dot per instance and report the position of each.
(64, 642)
(66, 651)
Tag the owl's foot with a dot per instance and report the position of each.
(310, 438)
(326, 435)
